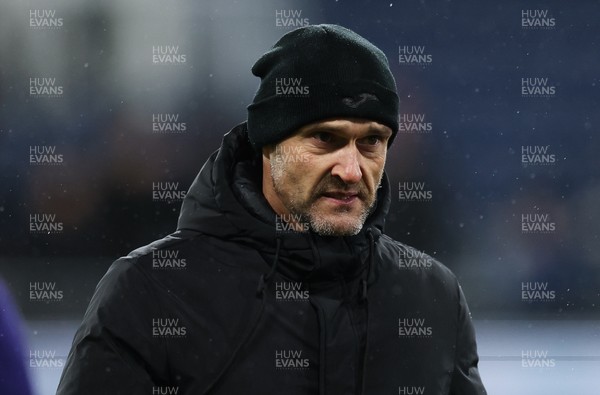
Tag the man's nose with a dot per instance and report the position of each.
(347, 166)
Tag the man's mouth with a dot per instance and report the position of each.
(342, 197)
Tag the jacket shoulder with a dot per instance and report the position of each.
(169, 241)
(411, 257)
(407, 262)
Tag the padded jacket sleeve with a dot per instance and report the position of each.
(111, 352)
(466, 379)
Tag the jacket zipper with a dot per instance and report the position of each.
(322, 346)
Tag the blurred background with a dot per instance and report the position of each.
(107, 106)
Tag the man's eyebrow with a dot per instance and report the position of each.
(336, 129)
(323, 128)
(380, 131)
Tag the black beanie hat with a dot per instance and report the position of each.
(319, 72)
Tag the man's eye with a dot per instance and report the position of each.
(324, 137)
(373, 140)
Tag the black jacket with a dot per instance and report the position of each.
(232, 303)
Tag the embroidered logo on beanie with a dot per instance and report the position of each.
(358, 99)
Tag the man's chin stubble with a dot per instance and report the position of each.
(320, 224)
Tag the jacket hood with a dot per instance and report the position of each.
(226, 201)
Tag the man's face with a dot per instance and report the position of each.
(327, 174)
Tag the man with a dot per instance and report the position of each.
(286, 283)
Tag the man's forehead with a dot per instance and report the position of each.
(347, 125)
